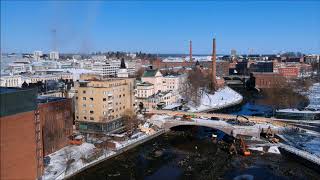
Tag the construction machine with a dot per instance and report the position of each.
(243, 148)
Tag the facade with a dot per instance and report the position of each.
(111, 67)
(37, 55)
(268, 80)
(289, 72)
(100, 102)
(54, 55)
(11, 81)
(21, 139)
(157, 91)
(56, 121)
(261, 67)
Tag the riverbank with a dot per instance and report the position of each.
(222, 98)
(59, 168)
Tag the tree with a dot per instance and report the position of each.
(130, 121)
(139, 73)
(198, 83)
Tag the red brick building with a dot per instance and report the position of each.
(268, 80)
(289, 72)
(56, 121)
(21, 143)
(31, 128)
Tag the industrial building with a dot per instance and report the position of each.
(21, 139)
(31, 128)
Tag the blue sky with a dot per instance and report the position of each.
(161, 26)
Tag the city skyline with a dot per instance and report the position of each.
(160, 27)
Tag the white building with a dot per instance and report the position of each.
(158, 91)
(54, 55)
(10, 81)
(37, 55)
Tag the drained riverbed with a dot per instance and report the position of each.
(189, 153)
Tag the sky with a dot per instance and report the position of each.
(160, 26)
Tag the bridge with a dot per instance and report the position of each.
(232, 130)
(255, 119)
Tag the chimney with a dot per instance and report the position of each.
(214, 80)
(190, 51)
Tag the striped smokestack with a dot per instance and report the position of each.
(214, 70)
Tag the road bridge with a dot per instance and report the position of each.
(255, 119)
(232, 130)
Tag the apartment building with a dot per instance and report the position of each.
(101, 102)
(158, 91)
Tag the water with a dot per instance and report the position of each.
(189, 153)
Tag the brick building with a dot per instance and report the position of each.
(222, 66)
(56, 121)
(268, 80)
(21, 140)
(289, 72)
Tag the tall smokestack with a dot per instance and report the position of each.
(190, 51)
(214, 69)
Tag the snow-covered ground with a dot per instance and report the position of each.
(58, 162)
(57, 169)
(224, 97)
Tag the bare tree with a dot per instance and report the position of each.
(67, 153)
(198, 83)
(139, 73)
(130, 121)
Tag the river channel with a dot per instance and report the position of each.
(189, 153)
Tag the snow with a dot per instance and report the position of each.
(58, 160)
(274, 149)
(256, 148)
(57, 167)
(224, 97)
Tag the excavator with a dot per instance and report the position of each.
(243, 148)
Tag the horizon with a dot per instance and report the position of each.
(160, 27)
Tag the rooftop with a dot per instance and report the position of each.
(47, 99)
(7, 90)
(150, 73)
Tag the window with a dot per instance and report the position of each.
(77, 117)
(91, 99)
(119, 96)
(104, 99)
(84, 117)
(124, 95)
(104, 112)
(83, 92)
(84, 105)
(91, 112)
(84, 98)
(91, 118)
